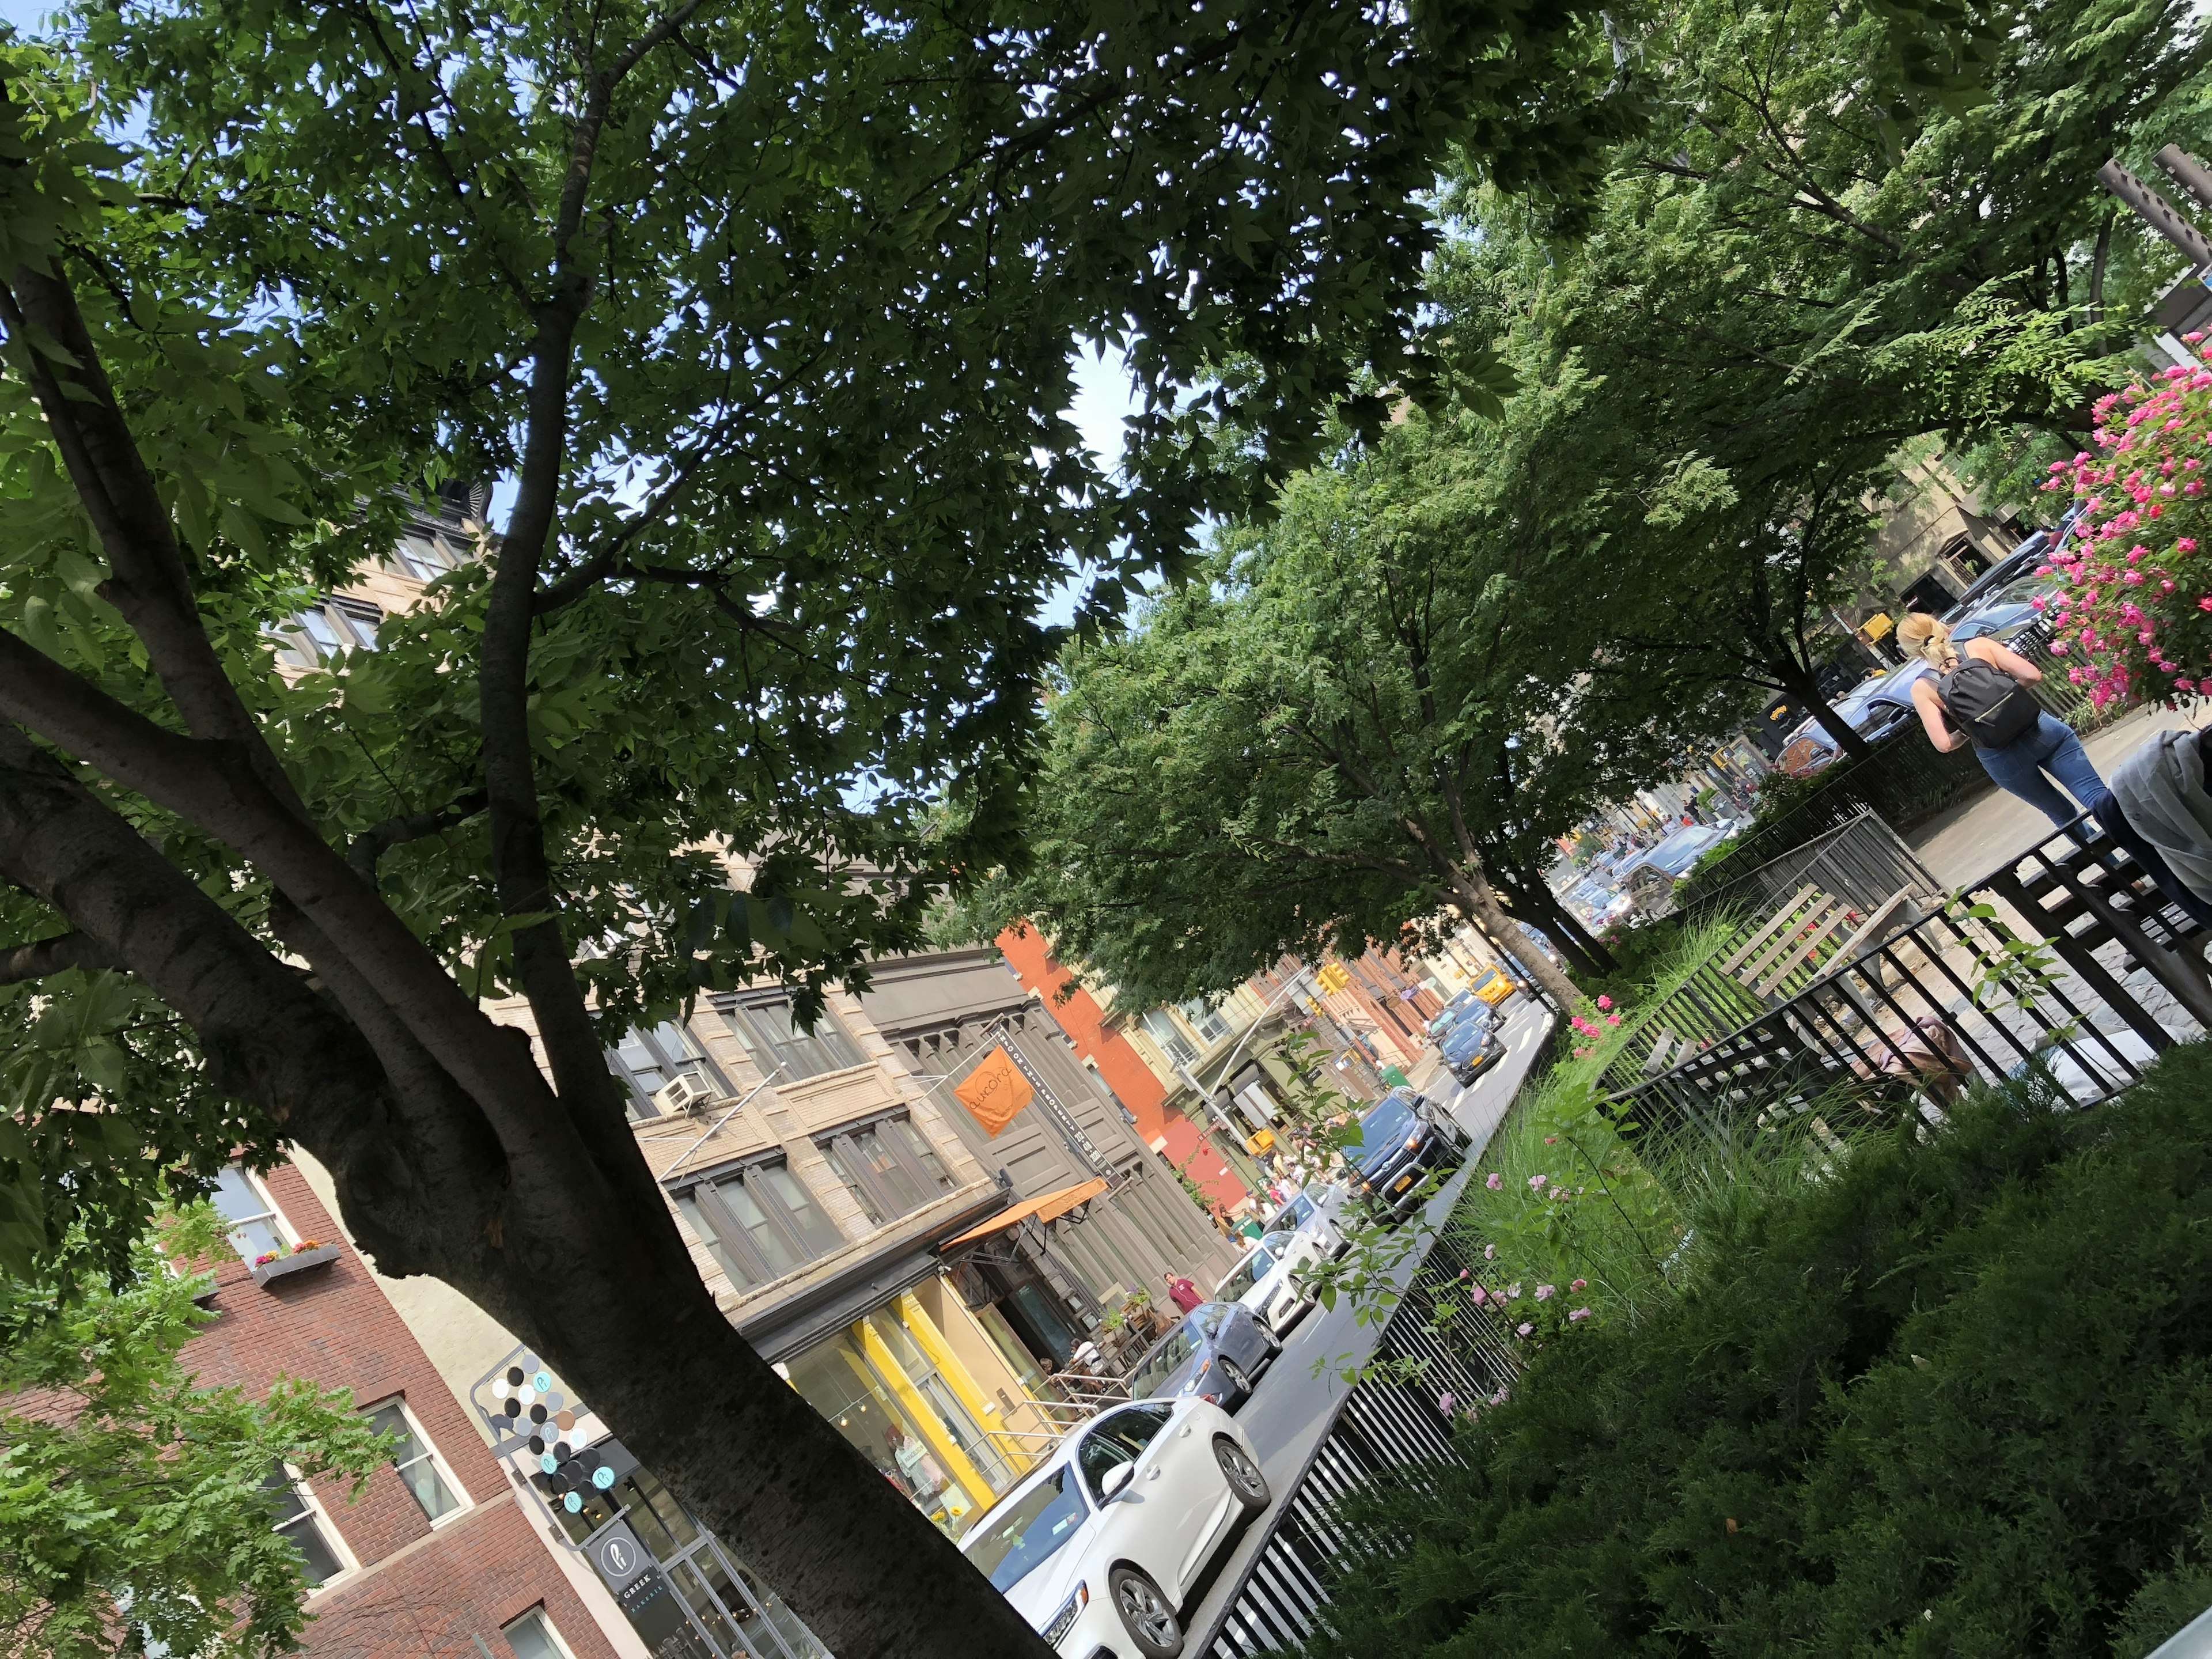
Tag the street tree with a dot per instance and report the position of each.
(1331, 738)
(766, 315)
(135, 1512)
(1813, 254)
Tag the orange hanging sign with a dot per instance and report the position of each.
(995, 1092)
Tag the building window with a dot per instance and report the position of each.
(420, 1469)
(759, 1223)
(299, 1519)
(256, 1229)
(890, 1167)
(649, 1060)
(772, 1036)
(423, 555)
(1206, 1021)
(532, 1637)
(1162, 1029)
(323, 630)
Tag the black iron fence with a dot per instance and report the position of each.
(2067, 960)
(1439, 1356)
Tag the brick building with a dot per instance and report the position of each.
(441, 1556)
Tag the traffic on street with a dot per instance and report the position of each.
(1127, 1541)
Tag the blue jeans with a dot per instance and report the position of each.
(2018, 768)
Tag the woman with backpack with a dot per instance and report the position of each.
(1978, 694)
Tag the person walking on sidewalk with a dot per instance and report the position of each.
(1182, 1292)
(1978, 694)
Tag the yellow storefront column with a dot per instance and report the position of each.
(957, 1377)
(923, 1414)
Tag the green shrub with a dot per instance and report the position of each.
(1941, 1395)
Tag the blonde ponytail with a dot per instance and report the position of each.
(1924, 636)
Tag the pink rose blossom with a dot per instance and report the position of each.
(1546, 1292)
(1524, 1329)
(1536, 1182)
(1578, 1315)
(1579, 1285)
(1495, 1182)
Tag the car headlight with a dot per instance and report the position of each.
(1065, 1618)
(1198, 1377)
(1412, 1142)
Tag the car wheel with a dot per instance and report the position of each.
(1239, 1378)
(1243, 1475)
(1146, 1614)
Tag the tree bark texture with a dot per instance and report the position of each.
(1477, 901)
(1804, 684)
(1526, 894)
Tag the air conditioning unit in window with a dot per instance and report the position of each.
(682, 1093)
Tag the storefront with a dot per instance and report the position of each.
(893, 1386)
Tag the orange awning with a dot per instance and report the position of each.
(1050, 1207)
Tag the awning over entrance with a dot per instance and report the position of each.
(1050, 1207)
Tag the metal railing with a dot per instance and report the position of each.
(1436, 1354)
(2067, 959)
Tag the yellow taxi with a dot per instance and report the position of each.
(1495, 988)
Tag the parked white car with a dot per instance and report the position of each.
(1267, 1280)
(1319, 1210)
(1098, 1547)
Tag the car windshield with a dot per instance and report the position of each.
(1249, 1272)
(1162, 1363)
(1388, 1124)
(1014, 1542)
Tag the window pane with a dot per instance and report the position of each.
(532, 1638)
(772, 1036)
(360, 622)
(917, 1145)
(760, 1232)
(849, 1172)
(411, 1458)
(296, 1522)
(886, 1171)
(799, 1203)
(317, 627)
(732, 1263)
(253, 1231)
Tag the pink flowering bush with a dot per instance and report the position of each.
(2137, 611)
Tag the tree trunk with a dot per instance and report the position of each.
(1804, 684)
(1531, 895)
(1474, 899)
(546, 1241)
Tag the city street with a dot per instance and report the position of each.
(1292, 1406)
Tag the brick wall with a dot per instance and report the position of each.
(419, 1592)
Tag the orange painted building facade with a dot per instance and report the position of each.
(1165, 1130)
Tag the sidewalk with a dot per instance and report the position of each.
(1974, 837)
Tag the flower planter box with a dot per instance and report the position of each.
(298, 1262)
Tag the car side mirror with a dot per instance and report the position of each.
(1116, 1478)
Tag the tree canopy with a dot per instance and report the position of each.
(1362, 708)
(1792, 270)
(767, 315)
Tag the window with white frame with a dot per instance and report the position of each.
(1205, 1019)
(1160, 1026)
(422, 1471)
(301, 1519)
(257, 1227)
(533, 1636)
(423, 555)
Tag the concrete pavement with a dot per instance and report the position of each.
(1972, 839)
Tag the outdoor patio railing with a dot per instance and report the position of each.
(2067, 958)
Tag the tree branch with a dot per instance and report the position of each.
(373, 842)
(53, 955)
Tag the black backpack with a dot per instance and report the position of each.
(1987, 704)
